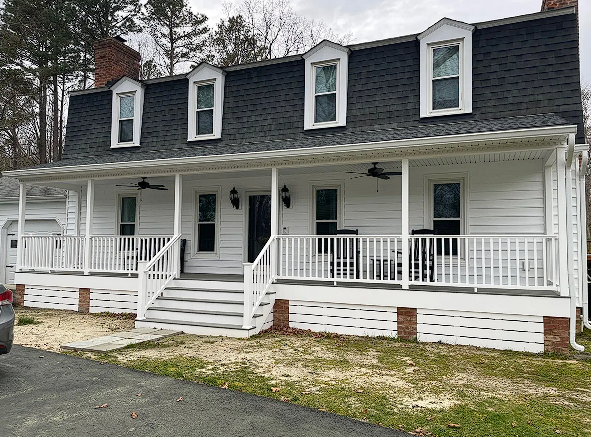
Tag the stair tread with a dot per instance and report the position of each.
(209, 290)
(185, 310)
(191, 299)
(204, 324)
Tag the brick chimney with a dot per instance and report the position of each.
(113, 59)
(559, 4)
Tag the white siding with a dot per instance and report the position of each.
(62, 298)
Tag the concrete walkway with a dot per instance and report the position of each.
(119, 340)
(45, 394)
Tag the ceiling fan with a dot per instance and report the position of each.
(378, 173)
(143, 184)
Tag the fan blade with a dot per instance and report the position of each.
(127, 186)
(357, 177)
(383, 176)
(158, 188)
(392, 173)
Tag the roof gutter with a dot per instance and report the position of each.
(78, 171)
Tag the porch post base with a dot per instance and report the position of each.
(84, 300)
(19, 295)
(407, 323)
(556, 335)
(281, 314)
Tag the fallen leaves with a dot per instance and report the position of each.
(138, 395)
(284, 399)
(557, 431)
(179, 399)
(275, 389)
(225, 385)
(101, 406)
(133, 415)
(453, 425)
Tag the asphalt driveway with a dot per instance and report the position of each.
(48, 394)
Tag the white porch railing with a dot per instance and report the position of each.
(356, 258)
(121, 254)
(52, 253)
(157, 274)
(258, 276)
(493, 261)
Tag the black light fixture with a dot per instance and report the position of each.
(285, 196)
(234, 199)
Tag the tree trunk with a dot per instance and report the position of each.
(42, 139)
(55, 121)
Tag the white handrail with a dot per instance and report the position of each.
(157, 273)
(258, 277)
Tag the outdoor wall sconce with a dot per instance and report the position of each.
(234, 199)
(285, 196)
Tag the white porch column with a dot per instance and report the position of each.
(405, 225)
(22, 205)
(562, 215)
(274, 218)
(178, 206)
(89, 224)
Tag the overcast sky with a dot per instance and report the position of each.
(370, 20)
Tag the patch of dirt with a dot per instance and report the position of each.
(58, 327)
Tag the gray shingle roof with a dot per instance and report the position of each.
(520, 70)
(10, 188)
(318, 139)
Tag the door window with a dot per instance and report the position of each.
(447, 213)
(127, 215)
(259, 224)
(206, 232)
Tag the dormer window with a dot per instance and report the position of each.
(126, 117)
(128, 101)
(205, 105)
(325, 93)
(445, 77)
(206, 96)
(446, 68)
(325, 102)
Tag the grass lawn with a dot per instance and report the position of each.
(427, 389)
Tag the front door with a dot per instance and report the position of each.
(259, 223)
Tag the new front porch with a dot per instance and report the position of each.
(477, 233)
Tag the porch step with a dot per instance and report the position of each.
(201, 293)
(197, 315)
(202, 328)
(203, 284)
(213, 302)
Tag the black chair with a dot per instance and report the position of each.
(345, 261)
(422, 256)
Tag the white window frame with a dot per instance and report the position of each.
(206, 74)
(315, 94)
(120, 197)
(127, 87)
(197, 85)
(326, 53)
(340, 208)
(195, 245)
(444, 33)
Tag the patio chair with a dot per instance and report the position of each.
(421, 257)
(345, 263)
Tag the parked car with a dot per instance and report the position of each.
(6, 320)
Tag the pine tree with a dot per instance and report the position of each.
(233, 43)
(179, 33)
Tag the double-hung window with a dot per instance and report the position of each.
(325, 93)
(127, 215)
(446, 68)
(445, 77)
(206, 222)
(126, 117)
(204, 108)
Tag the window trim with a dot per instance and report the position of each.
(126, 86)
(431, 79)
(120, 197)
(443, 33)
(195, 253)
(339, 219)
(335, 92)
(205, 74)
(325, 53)
(214, 121)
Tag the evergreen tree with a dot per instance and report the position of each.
(179, 33)
(233, 42)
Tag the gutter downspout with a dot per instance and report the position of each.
(583, 213)
(570, 151)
